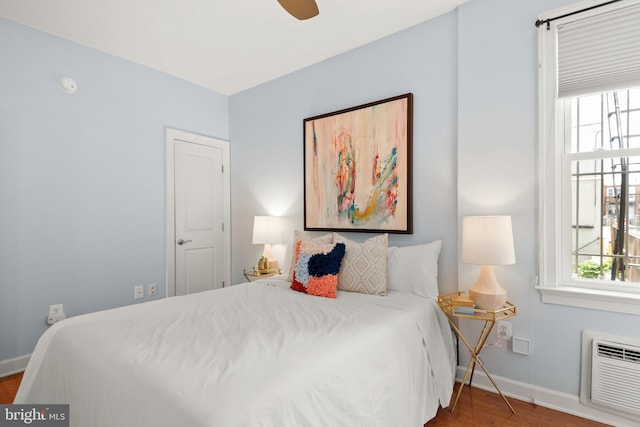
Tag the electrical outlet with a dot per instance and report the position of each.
(56, 309)
(152, 289)
(56, 314)
(504, 329)
(138, 292)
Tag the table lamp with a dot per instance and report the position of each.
(487, 241)
(267, 231)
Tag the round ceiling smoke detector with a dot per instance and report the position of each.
(67, 84)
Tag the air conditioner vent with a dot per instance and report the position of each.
(615, 375)
(610, 375)
(619, 352)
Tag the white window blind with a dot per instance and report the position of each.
(600, 52)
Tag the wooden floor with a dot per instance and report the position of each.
(476, 407)
(9, 388)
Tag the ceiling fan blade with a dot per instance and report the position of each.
(301, 9)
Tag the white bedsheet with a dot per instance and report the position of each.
(256, 354)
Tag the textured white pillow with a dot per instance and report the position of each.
(364, 266)
(301, 235)
(414, 269)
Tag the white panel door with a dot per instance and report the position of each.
(199, 252)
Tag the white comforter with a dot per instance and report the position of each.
(255, 354)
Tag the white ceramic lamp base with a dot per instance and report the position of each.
(487, 294)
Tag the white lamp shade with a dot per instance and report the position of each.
(267, 230)
(487, 240)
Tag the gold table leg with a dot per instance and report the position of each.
(475, 359)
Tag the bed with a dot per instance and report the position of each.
(254, 354)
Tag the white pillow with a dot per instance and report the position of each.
(364, 266)
(301, 235)
(414, 269)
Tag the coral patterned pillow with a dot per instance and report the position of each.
(301, 235)
(316, 268)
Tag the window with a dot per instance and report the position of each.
(590, 156)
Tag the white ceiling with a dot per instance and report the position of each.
(224, 45)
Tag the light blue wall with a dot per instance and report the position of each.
(498, 173)
(82, 177)
(497, 153)
(266, 130)
(473, 73)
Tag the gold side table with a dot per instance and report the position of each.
(253, 275)
(490, 317)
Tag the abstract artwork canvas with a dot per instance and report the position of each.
(357, 168)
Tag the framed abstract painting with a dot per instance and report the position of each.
(357, 168)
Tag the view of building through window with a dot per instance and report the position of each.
(605, 185)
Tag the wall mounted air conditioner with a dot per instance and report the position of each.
(610, 370)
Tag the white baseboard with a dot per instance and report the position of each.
(548, 398)
(13, 366)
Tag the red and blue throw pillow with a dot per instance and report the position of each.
(317, 267)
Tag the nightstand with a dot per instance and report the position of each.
(253, 275)
(489, 317)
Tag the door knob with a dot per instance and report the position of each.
(182, 241)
